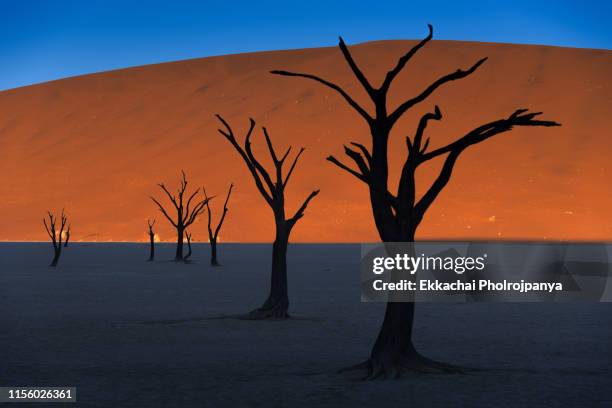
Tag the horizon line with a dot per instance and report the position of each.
(424, 240)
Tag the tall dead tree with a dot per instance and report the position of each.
(214, 235)
(55, 234)
(151, 241)
(185, 213)
(398, 213)
(276, 305)
(67, 236)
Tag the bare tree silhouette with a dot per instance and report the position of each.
(276, 305)
(55, 234)
(188, 235)
(185, 214)
(151, 240)
(397, 216)
(67, 236)
(213, 235)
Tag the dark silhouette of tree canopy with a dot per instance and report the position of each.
(272, 190)
(187, 207)
(55, 234)
(397, 214)
(151, 241)
(213, 235)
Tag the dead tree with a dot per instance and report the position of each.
(188, 235)
(185, 213)
(151, 241)
(67, 236)
(398, 213)
(276, 305)
(213, 235)
(55, 234)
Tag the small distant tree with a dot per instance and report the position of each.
(151, 240)
(67, 236)
(276, 305)
(187, 207)
(188, 235)
(213, 235)
(55, 234)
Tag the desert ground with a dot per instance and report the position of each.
(130, 333)
(99, 144)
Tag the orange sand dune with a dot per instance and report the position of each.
(98, 144)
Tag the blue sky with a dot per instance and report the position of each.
(45, 40)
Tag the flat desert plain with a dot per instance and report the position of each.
(129, 333)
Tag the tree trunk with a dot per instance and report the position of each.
(394, 351)
(152, 246)
(213, 252)
(186, 259)
(57, 252)
(394, 342)
(179, 245)
(276, 305)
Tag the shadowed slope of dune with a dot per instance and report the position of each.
(98, 144)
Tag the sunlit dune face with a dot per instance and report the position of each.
(125, 131)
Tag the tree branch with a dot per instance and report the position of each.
(519, 118)
(436, 115)
(62, 225)
(269, 144)
(183, 181)
(401, 63)
(331, 85)
(163, 211)
(344, 167)
(358, 159)
(406, 189)
(189, 203)
(278, 164)
(225, 210)
(52, 222)
(282, 160)
(437, 186)
(229, 135)
(366, 153)
(170, 196)
(480, 134)
(458, 74)
(300, 212)
(197, 210)
(210, 233)
(258, 166)
(390, 197)
(351, 62)
(295, 160)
